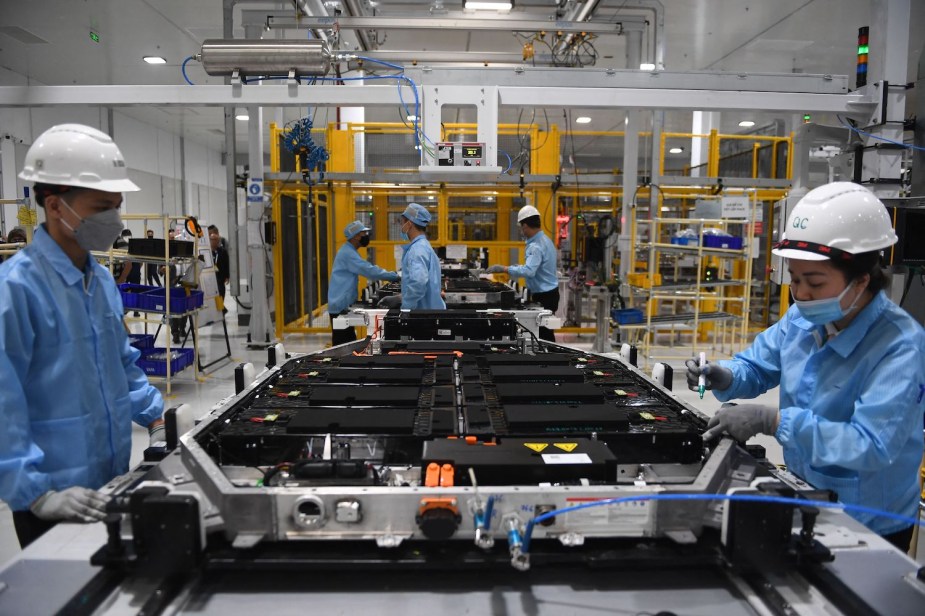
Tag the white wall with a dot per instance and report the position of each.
(152, 156)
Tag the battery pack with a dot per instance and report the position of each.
(520, 461)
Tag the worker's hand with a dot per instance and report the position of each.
(390, 301)
(74, 504)
(393, 277)
(743, 421)
(717, 377)
(157, 435)
(497, 269)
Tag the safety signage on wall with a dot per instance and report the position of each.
(735, 207)
(255, 190)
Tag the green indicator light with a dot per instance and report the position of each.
(863, 49)
(94, 37)
(807, 117)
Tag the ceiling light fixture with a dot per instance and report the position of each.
(646, 67)
(154, 60)
(582, 120)
(412, 118)
(471, 5)
(242, 115)
(676, 150)
(746, 123)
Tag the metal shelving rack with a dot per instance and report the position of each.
(708, 301)
(165, 315)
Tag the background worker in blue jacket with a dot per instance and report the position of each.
(421, 282)
(348, 267)
(847, 359)
(70, 384)
(539, 268)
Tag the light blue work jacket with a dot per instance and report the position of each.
(851, 409)
(69, 386)
(539, 268)
(348, 267)
(420, 277)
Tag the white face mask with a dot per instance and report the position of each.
(828, 310)
(96, 232)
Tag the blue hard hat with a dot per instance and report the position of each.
(353, 228)
(417, 213)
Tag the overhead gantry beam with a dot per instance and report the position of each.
(517, 87)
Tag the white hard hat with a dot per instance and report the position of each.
(526, 212)
(834, 219)
(79, 156)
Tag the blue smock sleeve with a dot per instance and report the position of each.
(532, 260)
(758, 368)
(147, 402)
(20, 481)
(874, 436)
(364, 268)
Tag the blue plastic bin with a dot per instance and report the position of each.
(156, 300)
(131, 293)
(729, 242)
(153, 362)
(141, 341)
(627, 316)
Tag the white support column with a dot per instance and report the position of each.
(703, 123)
(630, 182)
(9, 190)
(260, 330)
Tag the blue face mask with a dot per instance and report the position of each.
(402, 234)
(829, 310)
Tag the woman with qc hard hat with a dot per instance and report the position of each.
(70, 384)
(539, 268)
(847, 359)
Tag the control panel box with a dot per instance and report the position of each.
(460, 154)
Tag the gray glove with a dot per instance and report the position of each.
(718, 377)
(390, 301)
(75, 504)
(157, 435)
(743, 421)
(497, 269)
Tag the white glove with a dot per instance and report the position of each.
(497, 269)
(75, 504)
(743, 421)
(157, 435)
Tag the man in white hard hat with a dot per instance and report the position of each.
(70, 385)
(345, 275)
(539, 268)
(421, 281)
(848, 362)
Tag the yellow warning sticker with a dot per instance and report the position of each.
(294, 393)
(646, 415)
(566, 446)
(537, 447)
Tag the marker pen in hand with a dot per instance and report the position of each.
(702, 380)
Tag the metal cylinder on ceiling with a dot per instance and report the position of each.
(222, 57)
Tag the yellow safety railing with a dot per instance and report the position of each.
(486, 225)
